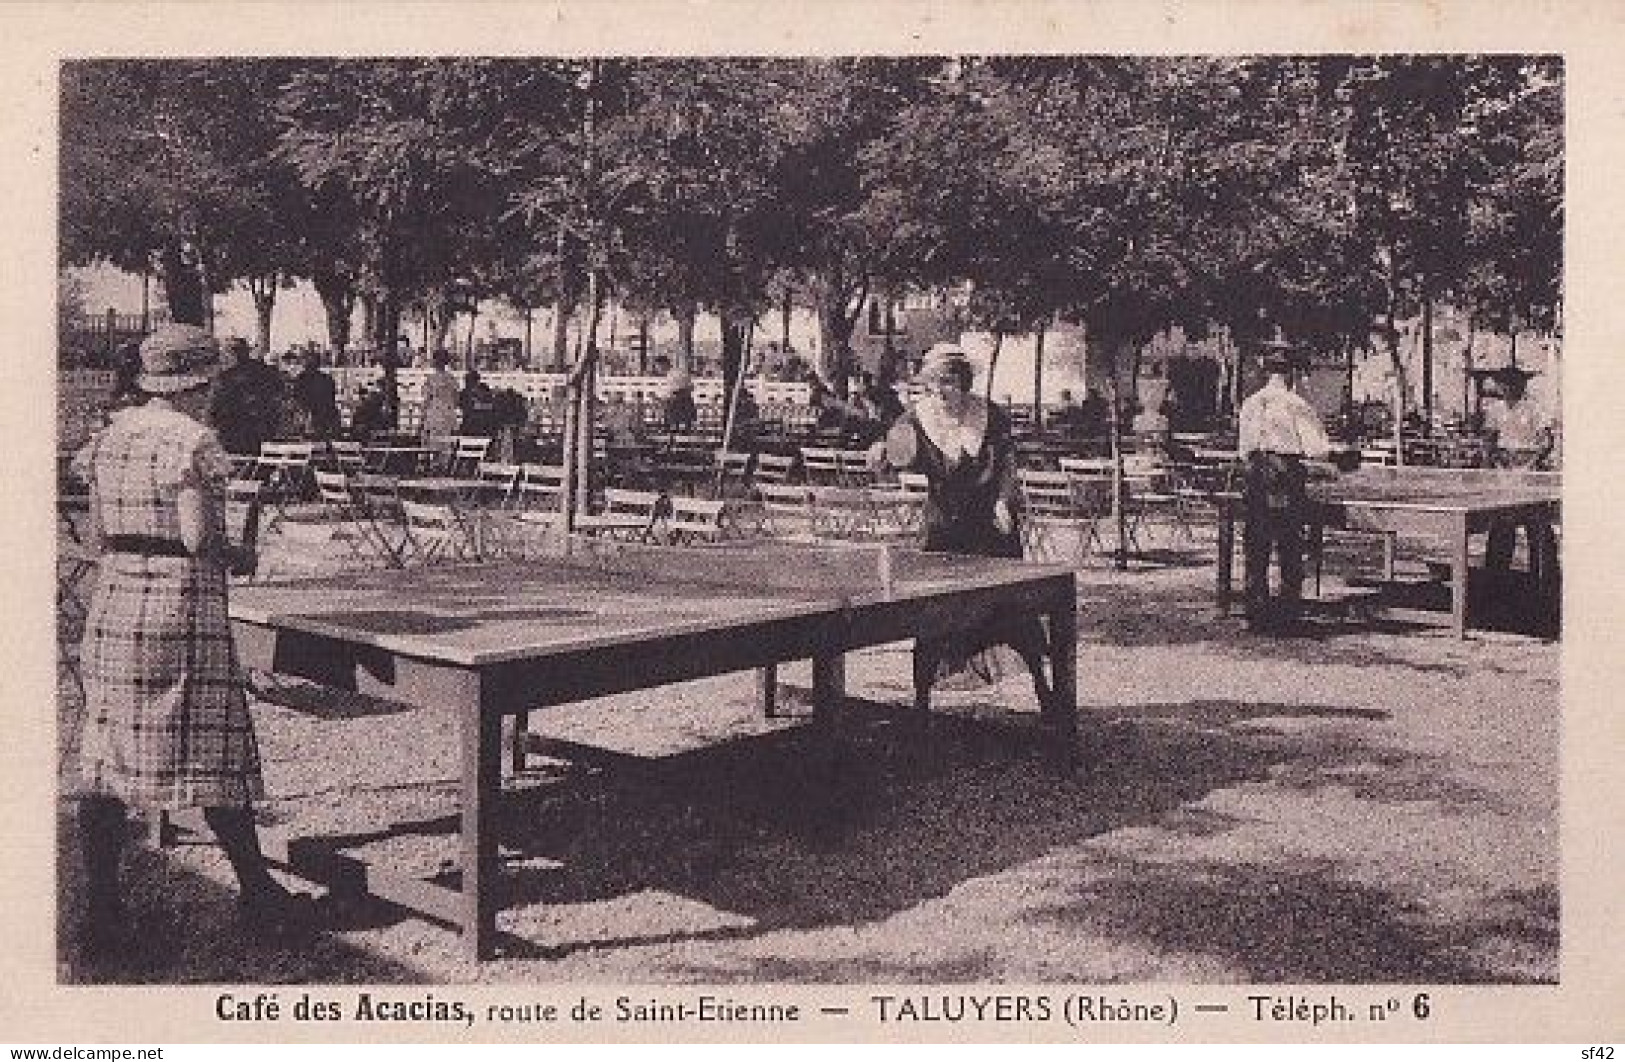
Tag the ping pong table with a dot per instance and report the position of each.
(495, 640)
(1443, 507)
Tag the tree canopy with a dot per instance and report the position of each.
(1321, 195)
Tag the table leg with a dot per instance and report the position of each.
(1227, 550)
(516, 752)
(480, 732)
(767, 690)
(1459, 576)
(828, 689)
(1061, 714)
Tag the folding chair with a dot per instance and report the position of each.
(353, 522)
(344, 455)
(1152, 497)
(244, 523)
(436, 531)
(773, 468)
(855, 469)
(1055, 502)
(822, 465)
(627, 514)
(695, 520)
(786, 508)
(900, 509)
(733, 471)
(284, 472)
(500, 480)
(471, 450)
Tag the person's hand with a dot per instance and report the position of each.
(1003, 519)
(877, 456)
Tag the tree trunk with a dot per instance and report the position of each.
(643, 344)
(369, 320)
(1390, 337)
(561, 335)
(993, 361)
(1427, 364)
(1135, 360)
(580, 388)
(735, 331)
(183, 287)
(387, 322)
(263, 289)
(786, 308)
(338, 304)
(888, 341)
(1110, 350)
(839, 306)
(1038, 377)
(685, 335)
(1471, 406)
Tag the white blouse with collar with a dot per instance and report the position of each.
(958, 438)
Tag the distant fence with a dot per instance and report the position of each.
(82, 398)
(100, 335)
(539, 386)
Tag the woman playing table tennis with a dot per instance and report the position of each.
(167, 725)
(962, 444)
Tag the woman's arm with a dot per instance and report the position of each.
(209, 470)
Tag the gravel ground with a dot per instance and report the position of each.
(1376, 803)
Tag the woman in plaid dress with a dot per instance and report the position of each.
(167, 722)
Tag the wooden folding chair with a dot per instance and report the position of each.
(354, 520)
(471, 450)
(695, 520)
(822, 465)
(436, 532)
(500, 481)
(733, 472)
(344, 455)
(627, 514)
(855, 468)
(1054, 502)
(900, 509)
(776, 469)
(786, 508)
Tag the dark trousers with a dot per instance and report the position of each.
(1276, 504)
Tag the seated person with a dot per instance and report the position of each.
(622, 421)
(1152, 425)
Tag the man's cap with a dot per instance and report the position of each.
(1279, 355)
(1513, 374)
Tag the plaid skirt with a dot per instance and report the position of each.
(166, 714)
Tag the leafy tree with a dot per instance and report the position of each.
(160, 166)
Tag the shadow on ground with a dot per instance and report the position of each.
(779, 832)
(188, 932)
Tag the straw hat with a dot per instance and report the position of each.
(177, 357)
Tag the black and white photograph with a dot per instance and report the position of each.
(904, 527)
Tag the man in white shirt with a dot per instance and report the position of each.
(1521, 431)
(1279, 430)
(1522, 438)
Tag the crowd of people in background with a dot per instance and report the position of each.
(256, 401)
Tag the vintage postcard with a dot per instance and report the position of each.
(899, 522)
